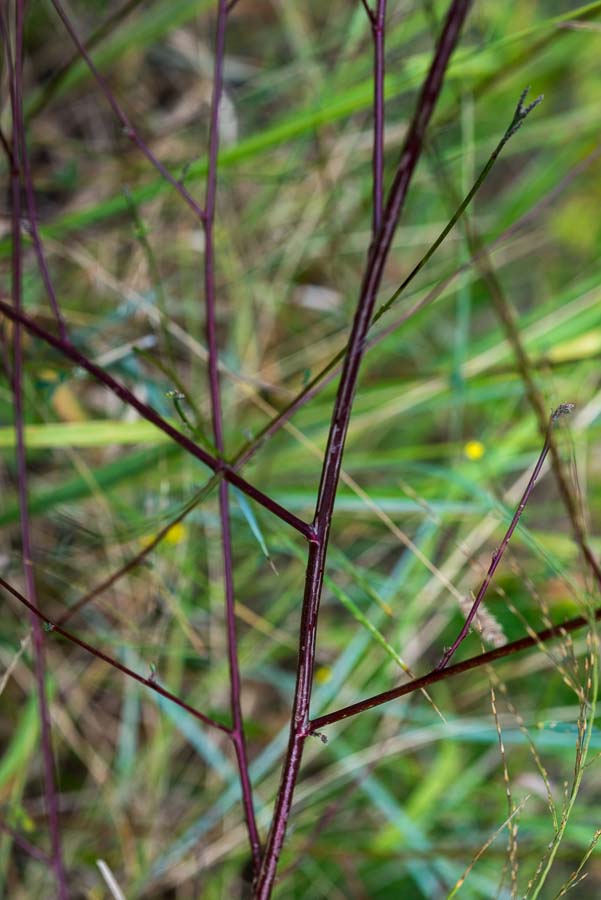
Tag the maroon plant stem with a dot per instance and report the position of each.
(436, 675)
(128, 128)
(237, 731)
(35, 236)
(22, 162)
(378, 22)
(378, 254)
(563, 409)
(66, 348)
(17, 385)
(149, 682)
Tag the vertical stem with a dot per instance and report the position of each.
(378, 21)
(378, 253)
(237, 732)
(38, 635)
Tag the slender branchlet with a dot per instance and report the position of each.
(129, 130)
(18, 158)
(52, 625)
(562, 410)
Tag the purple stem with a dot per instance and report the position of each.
(67, 349)
(378, 23)
(22, 164)
(561, 410)
(237, 732)
(38, 636)
(436, 675)
(128, 128)
(148, 682)
(378, 254)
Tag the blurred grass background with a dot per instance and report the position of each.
(398, 803)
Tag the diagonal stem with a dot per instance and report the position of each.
(66, 348)
(561, 410)
(128, 129)
(149, 682)
(535, 639)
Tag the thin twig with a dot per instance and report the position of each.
(150, 682)
(128, 129)
(562, 410)
(378, 22)
(25, 845)
(19, 157)
(505, 313)
(53, 84)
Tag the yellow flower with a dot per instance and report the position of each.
(176, 534)
(474, 450)
(323, 674)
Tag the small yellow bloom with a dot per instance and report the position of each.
(323, 674)
(176, 534)
(474, 450)
(49, 375)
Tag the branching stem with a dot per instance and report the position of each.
(378, 254)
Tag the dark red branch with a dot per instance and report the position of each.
(25, 845)
(436, 675)
(66, 348)
(19, 160)
(378, 21)
(149, 682)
